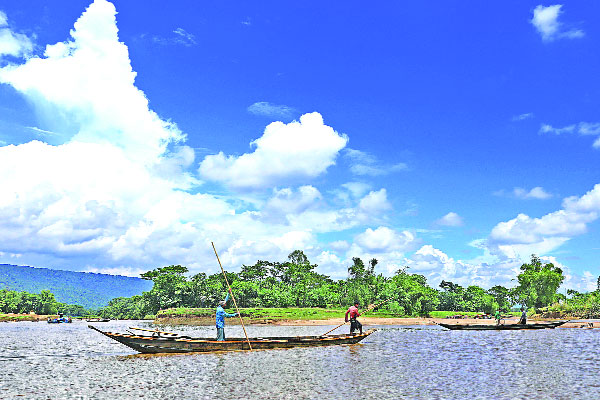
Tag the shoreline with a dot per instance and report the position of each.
(369, 321)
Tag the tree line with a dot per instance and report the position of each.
(44, 303)
(295, 283)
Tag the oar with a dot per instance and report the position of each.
(372, 307)
(234, 302)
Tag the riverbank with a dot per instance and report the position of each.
(371, 321)
(321, 316)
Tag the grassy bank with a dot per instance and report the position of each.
(256, 315)
(20, 317)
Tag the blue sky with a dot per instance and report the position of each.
(453, 139)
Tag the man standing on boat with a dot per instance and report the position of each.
(498, 316)
(354, 324)
(220, 319)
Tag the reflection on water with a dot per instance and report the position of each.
(41, 361)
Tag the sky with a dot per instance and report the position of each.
(452, 139)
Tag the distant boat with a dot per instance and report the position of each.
(97, 320)
(60, 320)
(174, 343)
(491, 327)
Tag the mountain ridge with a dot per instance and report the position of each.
(88, 289)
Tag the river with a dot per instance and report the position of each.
(70, 361)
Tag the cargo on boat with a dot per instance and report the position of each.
(165, 342)
(481, 327)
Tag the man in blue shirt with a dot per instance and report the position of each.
(221, 314)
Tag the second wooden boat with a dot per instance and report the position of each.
(173, 343)
(490, 327)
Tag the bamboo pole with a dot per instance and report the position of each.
(366, 311)
(232, 296)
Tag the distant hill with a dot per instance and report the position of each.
(84, 288)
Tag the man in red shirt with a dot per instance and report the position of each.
(354, 324)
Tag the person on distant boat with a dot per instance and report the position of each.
(498, 316)
(220, 319)
(523, 319)
(353, 313)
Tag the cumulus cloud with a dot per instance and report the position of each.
(384, 240)
(267, 109)
(299, 150)
(114, 193)
(12, 43)
(375, 202)
(545, 20)
(524, 235)
(436, 266)
(365, 164)
(450, 219)
(87, 84)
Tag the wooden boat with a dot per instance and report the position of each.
(482, 327)
(97, 320)
(164, 342)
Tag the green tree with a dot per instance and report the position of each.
(47, 303)
(538, 283)
(171, 288)
(502, 296)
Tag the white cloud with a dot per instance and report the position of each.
(450, 219)
(545, 20)
(522, 117)
(115, 190)
(42, 132)
(546, 128)
(339, 245)
(87, 85)
(375, 202)
(124, 271)
(271, 110)
(180, 37)
(185, 38)
(524, 235)
(365, 164)
(356, 189)
(384, 240)
(436, 266)
(299, 150)
(583, 128)
(287, 201)
(537, 192)
(12, 43)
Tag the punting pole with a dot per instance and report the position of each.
(366, 311)
(232, 296)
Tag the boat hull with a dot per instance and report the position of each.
(153, 344)
(490, 327)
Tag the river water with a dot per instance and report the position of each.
(70, 361)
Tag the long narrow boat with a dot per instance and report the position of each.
(157, 343)
(482, 327)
